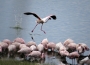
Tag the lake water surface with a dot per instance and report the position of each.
(73, 20)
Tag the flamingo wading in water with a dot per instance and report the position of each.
(41, 20)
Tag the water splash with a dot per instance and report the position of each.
(18, 22)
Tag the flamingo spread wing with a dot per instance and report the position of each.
(43, 20)
(29, 13)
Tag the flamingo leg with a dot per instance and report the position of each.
(74, 61)
(34, 27)
(41, 28)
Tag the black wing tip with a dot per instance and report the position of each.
(54, 17)
(27, 13)
(30, 13)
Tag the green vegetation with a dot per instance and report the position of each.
(16, 62)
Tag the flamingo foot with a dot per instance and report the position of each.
(44, 32)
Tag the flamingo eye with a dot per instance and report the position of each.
(49, 18)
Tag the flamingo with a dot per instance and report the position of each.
(41, 20)
(33, 47)
(40, 47)
(84, 59)
(36, 55)
(51, 46)
(44, 42)
(30, 43)
(7, 41)
(11, 50)
(73, 55)
(20, 40)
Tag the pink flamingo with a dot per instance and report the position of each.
(4, 47)
(7, 41)
(22, 46)
(58, 45)
(70, 45)
(20, 40)
(85, 47)
(11, 50)
(36, 55)
(44, 42)
(0, 49)
(67, 41)
(24, 50)
(30, 43)
(82, 47)
(41, 20)
(73, 55)
(40, 47)
(63, 53)
(33, 47)
(84, 59)
(51, 46)
(17, 44)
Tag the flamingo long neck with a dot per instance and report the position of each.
(46, 19)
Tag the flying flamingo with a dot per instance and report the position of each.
(40, 20)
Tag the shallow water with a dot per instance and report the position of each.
(73, 20)
(51, 58)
